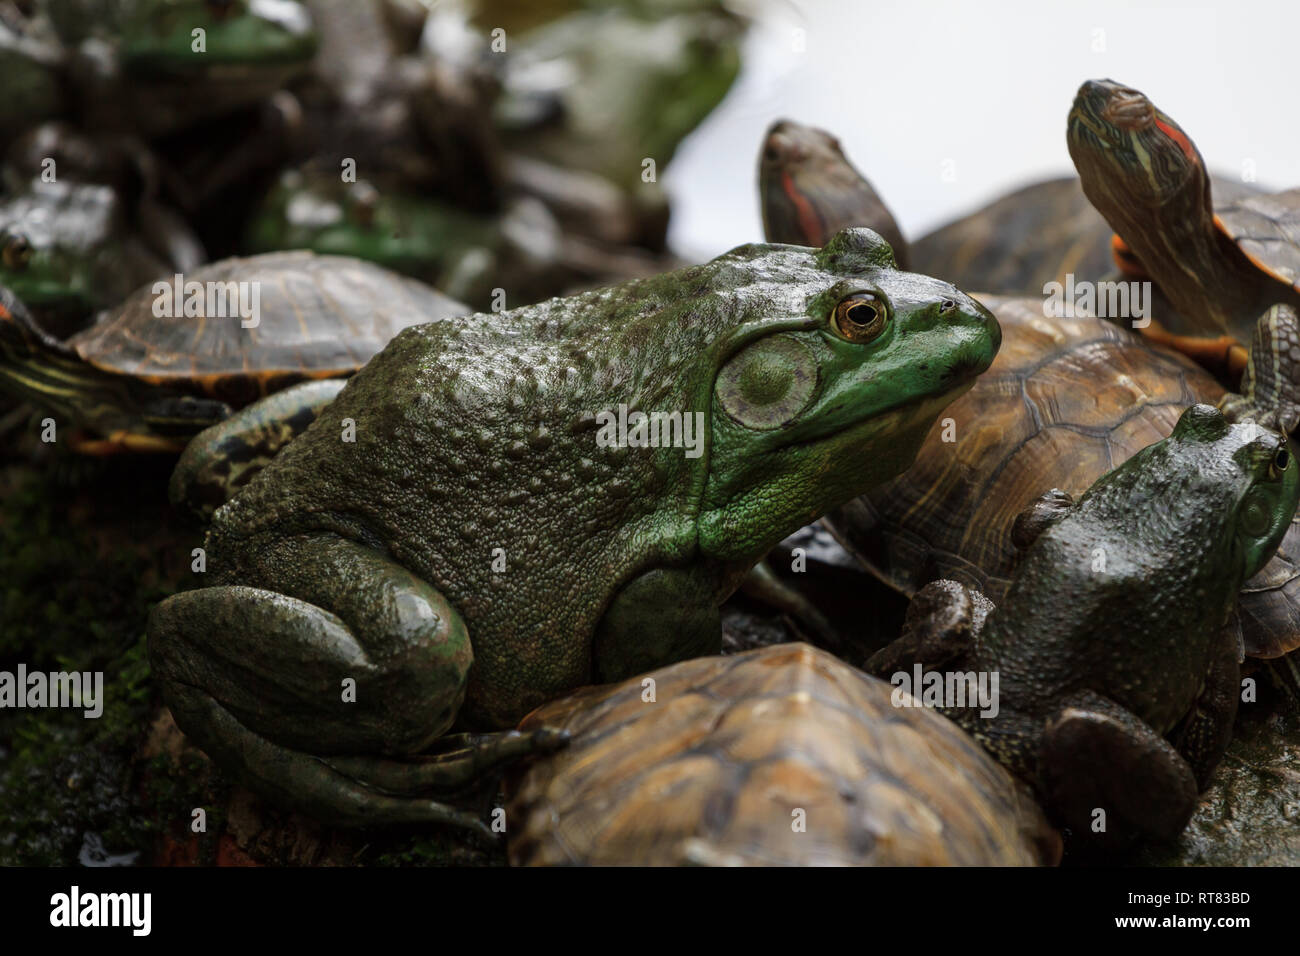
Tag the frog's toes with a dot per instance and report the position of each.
(1042, 513)
(1110, 778)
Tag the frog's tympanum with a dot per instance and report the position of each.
(483, 520)
(1116, 661)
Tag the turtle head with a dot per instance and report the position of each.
(21, 338)
(1132, 158)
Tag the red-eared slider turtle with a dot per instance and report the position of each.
(1230, 270)
(1065, 401)
(782, 755)
(810, 190)
(243, 328)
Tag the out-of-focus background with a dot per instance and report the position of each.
(946, 104)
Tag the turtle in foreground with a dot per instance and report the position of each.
(809, 191)
(1231, 271)
(782, 755)
(139, 380)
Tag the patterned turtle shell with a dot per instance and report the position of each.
(317, 317)
(778, 756)
(1266, 229)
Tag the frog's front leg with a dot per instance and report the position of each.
(323, 684)
(662, 616)
(225, 457)
(1098, 756)
(1270, 385)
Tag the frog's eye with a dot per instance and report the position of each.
(1281, 462)
(16, 251)
(860, 317)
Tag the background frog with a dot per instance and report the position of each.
(475, 507)
(1118, 677)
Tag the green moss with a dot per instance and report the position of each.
(68, 603)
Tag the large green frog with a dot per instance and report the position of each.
(464, 534)
(1114, 650)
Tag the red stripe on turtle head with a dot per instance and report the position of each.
(1168, 127)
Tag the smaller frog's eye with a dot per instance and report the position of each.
(1281, 461)
(860, 317)
(16, 252)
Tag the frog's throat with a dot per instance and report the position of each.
(790, 502)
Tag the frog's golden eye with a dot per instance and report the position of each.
(1281, 461)
(860, 317)
(16, 252)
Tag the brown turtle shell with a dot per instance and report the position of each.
(1021, 241)
(1267, 229)
(1042, 232)
(1065, 401)
(319, 317)
(716, 768)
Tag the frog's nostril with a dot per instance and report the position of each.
(946, 306)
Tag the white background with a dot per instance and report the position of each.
(912, 87)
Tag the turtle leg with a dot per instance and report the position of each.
(938, 629)
(1110, 778)
(328, 692)
(225, 457)
(1205, 732)
(1270, 385)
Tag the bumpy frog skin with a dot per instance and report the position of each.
(376, 560)
(1118, 670)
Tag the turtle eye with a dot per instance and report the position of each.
(860, 317)
(1281, 461)
(17, 252)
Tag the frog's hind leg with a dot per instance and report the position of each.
(1110, 777)
(330, 712)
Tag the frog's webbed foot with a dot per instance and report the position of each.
(940, 627)
(332, 713)
(295, 778)
(459, 761)
(1043, 512)
(1270, 385)
(1110, 778)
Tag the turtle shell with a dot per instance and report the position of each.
(318, 317)
(1021, 241)
(717, 767)
(1267, 229)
